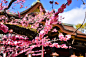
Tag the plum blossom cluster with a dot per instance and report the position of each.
(35, 53)
(3, 27)
(21, 2)
(3, 6)
(15, 43)
(62, 38)
(48, 43)
(48, 25)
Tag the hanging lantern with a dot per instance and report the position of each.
(55, 54)
(73, 55)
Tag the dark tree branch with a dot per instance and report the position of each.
(10, 4)
(8, 7)
(82, 23)
(83, 2)
(5, 13)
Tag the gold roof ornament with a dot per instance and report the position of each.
(81, 55)
(35, 2)
(38, 0)
(73, 56)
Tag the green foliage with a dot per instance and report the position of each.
(83, 26)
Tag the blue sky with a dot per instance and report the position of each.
(74, 13)
(48, 6)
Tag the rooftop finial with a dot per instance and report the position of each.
(38, 0)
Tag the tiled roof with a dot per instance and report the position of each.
(71, 28)
(32, 8)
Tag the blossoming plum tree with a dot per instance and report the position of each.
(17, 44)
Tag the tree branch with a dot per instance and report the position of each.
(3, 12)
(10, 4)
(83, 2)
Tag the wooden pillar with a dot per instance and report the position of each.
(81, 55)
(47, 55)
(42, 51)
(85, 54)
(70, 52)
(73, 56)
